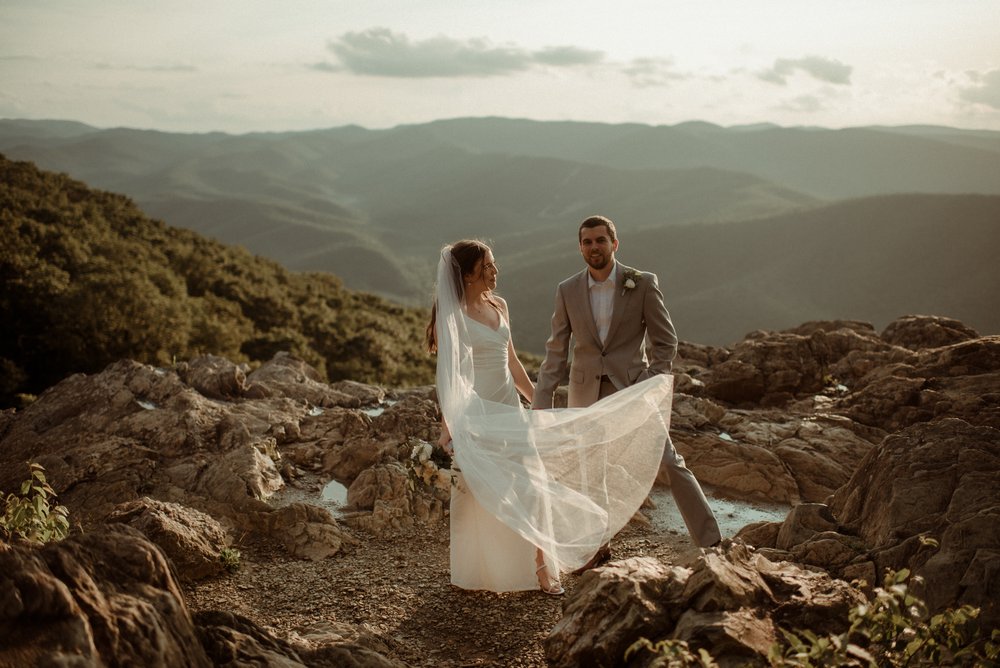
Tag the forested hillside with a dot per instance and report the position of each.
(88, 279)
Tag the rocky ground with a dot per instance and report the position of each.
(396, 589)
(876, 442)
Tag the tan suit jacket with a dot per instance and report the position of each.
(639, 317)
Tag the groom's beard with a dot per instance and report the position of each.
(598, 260)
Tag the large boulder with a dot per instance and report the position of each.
(925, 499)
(729, 601)
(766, 454)
(939, 480)
(611, 608)
(109, 598)
(101, 598)
(958, 380)
(218, 378)
(772, 368)
(191, 539)
(289, 376)
(306, 531)
(392, 496)
(926, 331)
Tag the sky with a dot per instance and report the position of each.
(250, 65)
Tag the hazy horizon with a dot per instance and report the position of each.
(184, 66)
(734, 126)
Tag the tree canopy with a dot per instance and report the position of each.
(87, 279)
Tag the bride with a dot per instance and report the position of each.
(538, 491)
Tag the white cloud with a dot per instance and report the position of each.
(146, 68)
(652, 72)
(985, 91)
(382, 52)
(824, 69)
(803, 104)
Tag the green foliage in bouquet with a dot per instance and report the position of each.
(31, 514)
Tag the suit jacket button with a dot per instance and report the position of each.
(604, 354)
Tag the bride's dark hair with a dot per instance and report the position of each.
(465, 254)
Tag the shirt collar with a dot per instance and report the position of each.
(610, 280)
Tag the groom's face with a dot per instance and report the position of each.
(597, 247)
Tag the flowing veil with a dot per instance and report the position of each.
(566, 480)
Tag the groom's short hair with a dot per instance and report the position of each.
(597, 221)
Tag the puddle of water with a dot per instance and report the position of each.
(375, 411)
(334, 492)
(732, 514)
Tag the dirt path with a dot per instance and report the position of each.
(397, 593)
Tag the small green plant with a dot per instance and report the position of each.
(230, 558)
(894, 628)
(672, 654)
(34, 517)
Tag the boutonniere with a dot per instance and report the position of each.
(631, 275)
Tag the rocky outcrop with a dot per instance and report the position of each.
(773, 368)
(399, 495)
(857, 428)
(206, 439)
(767, 455)
(191, 539)
(917, 332)
(218, 378)
(937, 482)
(305, 530)
(728, 600)
(768, 368)
(103, 598)
(288, 376)
(109, 597)
(958, 380)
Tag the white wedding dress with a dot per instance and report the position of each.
(564, 480)
(485, 552)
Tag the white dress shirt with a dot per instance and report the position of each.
(602, 300)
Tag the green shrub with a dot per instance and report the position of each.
(86, 279)
(892, 628)
(34, 517)
(672, 654)
(230, 559)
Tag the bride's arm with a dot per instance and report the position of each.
(521, 380)
(445, 440)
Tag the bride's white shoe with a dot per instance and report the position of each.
(548, 585)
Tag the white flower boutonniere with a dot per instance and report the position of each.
(630, 277)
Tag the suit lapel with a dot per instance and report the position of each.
(583, 294)
(621, 297)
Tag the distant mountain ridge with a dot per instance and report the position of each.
(871, 259)
(374, 206)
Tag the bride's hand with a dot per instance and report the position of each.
(448, 448)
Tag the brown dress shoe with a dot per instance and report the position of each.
(602, 556)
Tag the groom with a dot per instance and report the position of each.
(609, 310)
